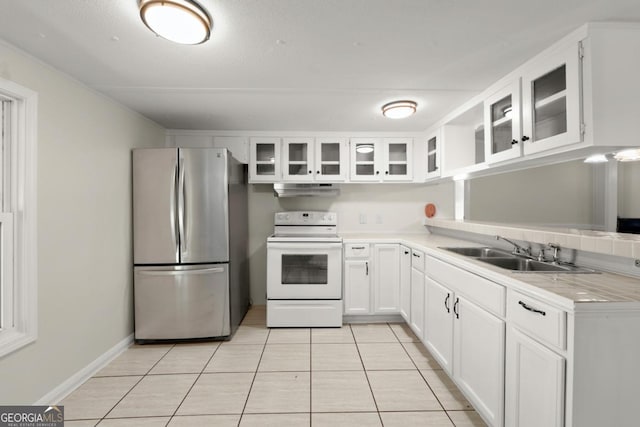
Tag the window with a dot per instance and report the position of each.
(18, 266)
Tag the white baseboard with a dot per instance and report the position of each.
(77, 379)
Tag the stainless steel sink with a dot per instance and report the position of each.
(516, 263)
(479, 252)
(523, 264)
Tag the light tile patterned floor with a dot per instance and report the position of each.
(358, 375)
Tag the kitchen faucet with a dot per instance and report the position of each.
(517, 249)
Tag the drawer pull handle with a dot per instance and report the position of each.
(534, 310)
(357, 247)
(366, 264)
(446, 303)
(455, 308)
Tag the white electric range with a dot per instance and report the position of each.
(304, 271)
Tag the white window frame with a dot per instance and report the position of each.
(19, 266)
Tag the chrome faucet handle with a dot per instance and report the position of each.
(541, 255)
(555, 248)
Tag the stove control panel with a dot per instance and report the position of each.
(306, 218)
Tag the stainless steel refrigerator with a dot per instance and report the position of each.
(189, 243)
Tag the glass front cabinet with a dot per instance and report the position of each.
(433, 155)
(331, 159)
(264, 160)
(551, 101)
(502, 124)
(381, 159)
(297, 158)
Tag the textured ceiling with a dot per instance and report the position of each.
(316, 65)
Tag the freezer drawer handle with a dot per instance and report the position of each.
(180, 272)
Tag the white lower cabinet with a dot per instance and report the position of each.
(464, 336)
(405, 283)
(371, 282)
(386, 278)
(438, 330)
(534, 383)
(478, 358)
(416, 319)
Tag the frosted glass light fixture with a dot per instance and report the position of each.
(630, 155)
(180, 21)
(596, 158)
(399, 109)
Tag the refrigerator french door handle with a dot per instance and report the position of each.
(175, 232)
(181, 208)
(181, 272)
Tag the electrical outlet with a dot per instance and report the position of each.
(363, 219)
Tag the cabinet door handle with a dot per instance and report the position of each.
(524, 138)
(386, 172)
(310, 171)
(377, 172)
(406, 252)
(318, 172)
(534, 310)
(416, 255)
(514, 141)
(366, 266)
(455, 308)
(446, 303)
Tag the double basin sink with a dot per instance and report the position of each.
(516, 263)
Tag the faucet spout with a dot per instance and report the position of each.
(517, 249)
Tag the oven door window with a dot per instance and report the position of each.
(305, 269)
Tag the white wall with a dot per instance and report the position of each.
(400, 208)
(84, 227)
(629, 189)
(560, 194)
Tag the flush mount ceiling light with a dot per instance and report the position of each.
(399, 109)
(181, 21)
(630, 155)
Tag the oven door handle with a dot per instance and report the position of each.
(318, 246)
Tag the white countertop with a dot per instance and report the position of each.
(571, 291)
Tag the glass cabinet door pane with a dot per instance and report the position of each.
(550, 104)
(365, 152)
(304, 269)
(431, 163)
(397, 152)
(298, 160)
(501, 125)
(431, 144)
(330, 152)
(265, 152)
(479, 144)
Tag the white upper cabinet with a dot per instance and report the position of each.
(502, 124)
(381, 159)
(551, 101)
(297, 159)
(264, 160)
(331, 159)
(433, 154)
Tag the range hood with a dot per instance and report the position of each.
(305, 190)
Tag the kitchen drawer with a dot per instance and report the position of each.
(356, 250)
(537, 318)
(485, 293)
(417, 260)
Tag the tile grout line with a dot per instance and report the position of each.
(135, 385)
(255, 374)
(421, 375)
(310, 376)
(194, 383)
(364, 368)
